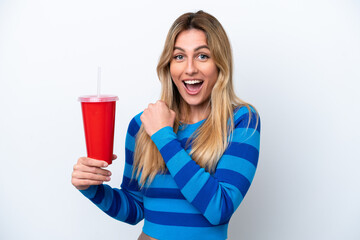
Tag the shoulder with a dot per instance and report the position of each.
(244, 110)
(135, 124)
(246, 116)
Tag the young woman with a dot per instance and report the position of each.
(191, 156)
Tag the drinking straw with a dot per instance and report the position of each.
(99, 82)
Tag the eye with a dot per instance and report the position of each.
(203, 56)
(179, 57)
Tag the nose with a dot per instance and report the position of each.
(191, 68)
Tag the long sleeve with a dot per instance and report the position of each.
(124, 204)
(215, 195)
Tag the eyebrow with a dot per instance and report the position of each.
(196, 49)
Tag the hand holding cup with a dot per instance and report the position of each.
(89, 171)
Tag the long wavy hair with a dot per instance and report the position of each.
(212, 138)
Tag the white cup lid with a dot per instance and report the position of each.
(96, 98)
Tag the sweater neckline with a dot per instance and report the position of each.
(184, 126)
(191, 124)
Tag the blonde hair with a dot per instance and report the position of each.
(212, 138)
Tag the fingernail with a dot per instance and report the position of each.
(109, 173)
(105, 164)
(108, 178)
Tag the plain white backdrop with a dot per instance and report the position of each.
(298, 62)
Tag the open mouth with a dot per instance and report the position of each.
(193, 86)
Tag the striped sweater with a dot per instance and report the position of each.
(186, 202)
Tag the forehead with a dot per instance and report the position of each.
(190, 39)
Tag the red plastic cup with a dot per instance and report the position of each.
(99, 124)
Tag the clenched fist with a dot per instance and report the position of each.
(157, 116)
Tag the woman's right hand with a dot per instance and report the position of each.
(88, 171)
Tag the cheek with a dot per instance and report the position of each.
(174, 77)
(213, 75)
(173, 71)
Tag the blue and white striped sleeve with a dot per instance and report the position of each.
(125, 204)
(216, 195)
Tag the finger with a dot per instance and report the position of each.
(95, 170)
(114, 157)
(93, 162)
(161, 102)
(90, 176)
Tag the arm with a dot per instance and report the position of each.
(125, 204)
(216, 196)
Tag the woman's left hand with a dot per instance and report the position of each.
(157, 116)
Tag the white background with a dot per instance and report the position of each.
(297, 61)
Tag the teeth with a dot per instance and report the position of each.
(192, 81)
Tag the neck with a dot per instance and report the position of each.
(195, 113)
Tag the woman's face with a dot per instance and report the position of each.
(193, 69)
